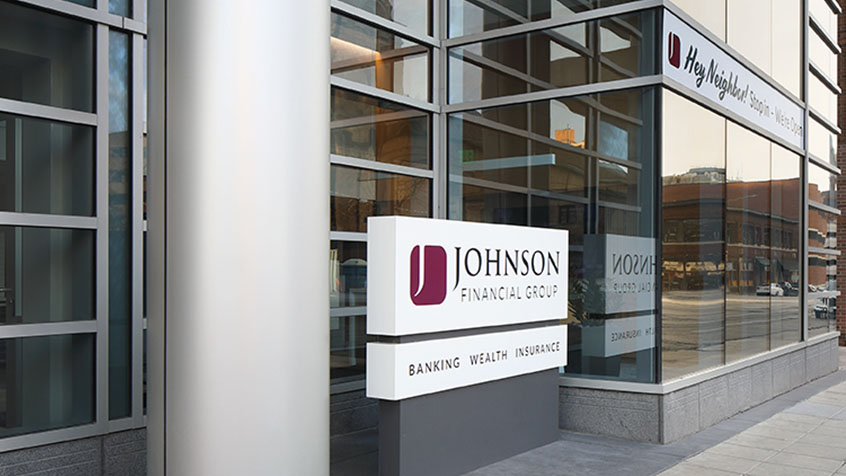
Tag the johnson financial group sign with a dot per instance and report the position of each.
(427, 276)
(700, 65)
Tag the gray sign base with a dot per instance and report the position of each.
(452, 432)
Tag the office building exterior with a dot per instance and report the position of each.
(688, 147)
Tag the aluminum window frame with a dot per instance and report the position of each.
(103, 22)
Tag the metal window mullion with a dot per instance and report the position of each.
(823, 121)
(824, 164)
(102, 207)
(823, 34)
(823, 251)
(347, 311)
(47, 437)
(803, 291)
(347, 236)
(835, 7)
(15, 331)
(441, 118)
(551, 23)
(827, 82)
(558, 196)
(823, 207)
(558, 93)
(48, 221)
(381, 94)
(379, 166)
(139, 10)
(41, 111)
(137, 161)
(64, 7)
(339, 7)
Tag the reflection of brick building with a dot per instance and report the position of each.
(759, 243)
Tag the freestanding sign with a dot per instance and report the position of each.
(468, 317)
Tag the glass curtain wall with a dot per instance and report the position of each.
(381, 151)
(69, 318)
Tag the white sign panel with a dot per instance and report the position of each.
(399, 371)
(697, 63)
(621, 273)
(619, 336)
(426, 275)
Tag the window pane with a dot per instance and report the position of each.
(411, 13)
(785, 315)
(786, 36)
(693, 261)
(47, 275)
(45, 58)
(46, 167)
(753, 41)
(822, 272)
(748, 264)
(347, 343)
(377, 58)
(821, 142)
(347, 274)
(824, 15)
(373, 129)
(584, 53)
(120, 229)
(822, 186)
(561, 214)
(120, 7)
(47, 383)
(467, 16)
(492, 206)
(822, 312)
(357, 194)
(822, 99)
(822, 229)
(822, 56)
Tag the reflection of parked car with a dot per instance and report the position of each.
(770, 289)
(825, 308)
(789, 289)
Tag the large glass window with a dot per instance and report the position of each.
(46, 383)
(822, 142)
(693, 261)
(414, 14)
(382, 131)
(378, 58)
(359, 193)
(785, 236)
(584, 164)
(120, 228)
(46, 59)
(748, 241)
(468, 16)
(46, 275)
(583, 53)
(46, 167)
(822, 186)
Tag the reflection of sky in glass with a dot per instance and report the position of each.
(563, 118)
(120, 7)
(613, 141)
(85, 3)
(118, 82)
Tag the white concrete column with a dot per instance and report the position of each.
(238, 211)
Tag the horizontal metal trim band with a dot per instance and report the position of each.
(383, 23)
(690, 380)
(823, 207)
(347, 236)
(379, 166)
(817, 72)
(382, 94)
(820, 31)
(551, 23)
(725, 112)
(14, 331)
(47, 221)
(348, 311)
(824, 164)
(41, 111)
(559, 93)
(51, 436)
(344, 387)
(816, 115)
(823, 251)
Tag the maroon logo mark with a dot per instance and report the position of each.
(432, 290)
(675, 50)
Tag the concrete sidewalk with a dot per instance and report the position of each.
(802, 432)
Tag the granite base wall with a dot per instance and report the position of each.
(666, 418)
(115, 454)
